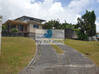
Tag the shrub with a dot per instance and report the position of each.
(14, 30)
(4, 27)
(82, 36)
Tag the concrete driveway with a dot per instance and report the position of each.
(47, 61)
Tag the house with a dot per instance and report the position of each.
(24, 25)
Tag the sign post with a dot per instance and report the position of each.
(0, 32)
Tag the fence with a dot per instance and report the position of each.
(69, 33)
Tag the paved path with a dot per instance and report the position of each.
(71, 56)
(49, 62)
(77, 62)
(47, 56)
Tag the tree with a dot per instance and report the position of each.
(4, 27)
(89, 20)
(51, 24)
(57, 25)
(86, 24)
(66, 26)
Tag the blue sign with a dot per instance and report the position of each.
(48, 34)
(97, 35)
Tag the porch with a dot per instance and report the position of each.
(16, 28)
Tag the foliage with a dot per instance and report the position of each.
(76, 30)
(89, 20)
(52, 24)
(4, 27)
(82, 36)
(66, 26)
(86, 25)
(14, 30)
(57, 25)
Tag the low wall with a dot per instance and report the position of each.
(31, 35)
(10, 34)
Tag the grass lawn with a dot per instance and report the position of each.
(89, 48)
(16, 53)
(57, 49)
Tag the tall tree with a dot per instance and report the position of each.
(86, 24)
(89, 20)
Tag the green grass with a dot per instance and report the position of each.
(89, 48)
(16, 53)
(57, 49)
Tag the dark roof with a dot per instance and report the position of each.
(13, 22)
(17, 22)
(31, 18)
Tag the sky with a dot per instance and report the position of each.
(63, 10)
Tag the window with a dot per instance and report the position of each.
(13, 26)
(35, 26)
(20, 27)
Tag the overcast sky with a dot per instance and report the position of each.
(68, 10)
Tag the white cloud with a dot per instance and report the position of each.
(97, 25)
(78, 4)
(48, 9)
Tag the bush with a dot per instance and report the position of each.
(14, 30)
(4, 27)
(82, 36)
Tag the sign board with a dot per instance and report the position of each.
(49, 36)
